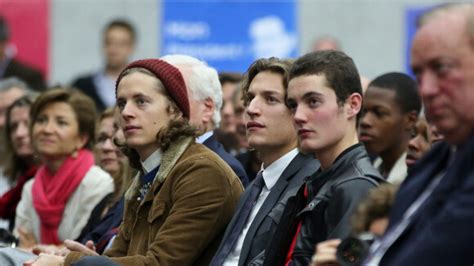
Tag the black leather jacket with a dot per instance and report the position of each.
(332, 197)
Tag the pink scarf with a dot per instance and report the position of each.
(51, 192)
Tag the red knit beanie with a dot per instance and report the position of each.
(169, 76)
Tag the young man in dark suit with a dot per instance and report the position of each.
(271, 132)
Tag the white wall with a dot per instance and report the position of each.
(77, 25)
(371, 31)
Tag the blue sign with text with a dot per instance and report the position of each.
(229, 35)
(411, 17)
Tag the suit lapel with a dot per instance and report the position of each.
(419, 180)
(269, 203)
(237, 213)
(211, 143)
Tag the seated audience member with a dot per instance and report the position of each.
(247, 156)
(108, 155)
(424, 135)
(20, 166)
(431, 219)
(325, 96)
(271, 133)
(118, 37)
(389, 113)
(205, 102)
(12, 67)
(230, 83)
(240, 129)
(112, 160)
(68, 190)
(371, 216)
(183, 196)
(10, 90)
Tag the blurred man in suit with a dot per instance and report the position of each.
(431, 221)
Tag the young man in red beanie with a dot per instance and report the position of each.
(184, 195)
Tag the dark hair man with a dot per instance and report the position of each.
(431, 220)
(11, 67)
(270, 131)
(389, 113)
(325, 96)
(119, 39)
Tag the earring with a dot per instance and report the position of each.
(74, 153)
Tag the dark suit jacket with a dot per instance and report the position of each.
(442, 230)
(31, 76)
(266, 221)
(87, 86)
(213, 144)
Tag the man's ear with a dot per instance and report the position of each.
(410, 120)
(209, 107)
(354, 104)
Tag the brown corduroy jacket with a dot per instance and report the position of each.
(183, 217)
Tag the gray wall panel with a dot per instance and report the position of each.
(371, 31)
(77, 30)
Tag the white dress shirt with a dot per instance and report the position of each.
(399, 171)
(204, 137)
(152, 161)
(105, 87)
(271, 174)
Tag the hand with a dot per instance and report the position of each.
(48, 249)
(27, 239)
(87, 249)
(45, 260)
(326, 253)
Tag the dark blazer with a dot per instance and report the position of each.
(87, 86)
(267, 219)
(442, 230)
(333, 195)
(28, 74)
(213, 144)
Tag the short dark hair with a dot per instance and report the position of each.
(229, 77)
(121, 23)
(82, 105)
(272, 64)
(405, 88)
(338, 68)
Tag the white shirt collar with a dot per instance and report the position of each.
(272, 173)
(204, 137)
(152, 161)
(399, 171)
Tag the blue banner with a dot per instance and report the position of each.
(411, 17)
(229, 35)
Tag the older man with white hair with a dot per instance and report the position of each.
(205, 100)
